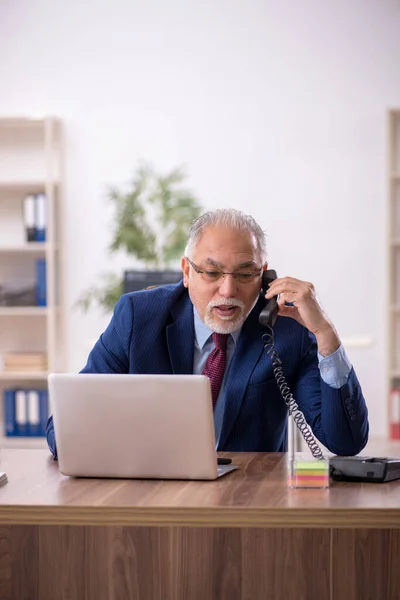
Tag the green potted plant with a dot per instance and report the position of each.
(152, 217)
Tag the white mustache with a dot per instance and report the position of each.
(226, 302)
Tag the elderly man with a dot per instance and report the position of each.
(208, 323)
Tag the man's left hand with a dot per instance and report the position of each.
(306, 310)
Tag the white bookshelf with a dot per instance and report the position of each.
(30, 163)
(394, 256)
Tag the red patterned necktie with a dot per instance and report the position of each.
(215, 365)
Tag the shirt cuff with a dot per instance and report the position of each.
(335, 368)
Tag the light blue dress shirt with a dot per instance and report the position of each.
(335, 368)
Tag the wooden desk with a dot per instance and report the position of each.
(245, 536)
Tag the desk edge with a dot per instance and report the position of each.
(370, 518)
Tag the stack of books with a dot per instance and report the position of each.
(25, 362)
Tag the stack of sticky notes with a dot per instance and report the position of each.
(309, 474)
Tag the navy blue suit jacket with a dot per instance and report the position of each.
(152, 331)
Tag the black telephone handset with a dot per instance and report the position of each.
(267, 319)
(269, 313)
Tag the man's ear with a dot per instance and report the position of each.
(185, 270)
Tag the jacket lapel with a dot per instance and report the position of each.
(249, 348)
(180, 337)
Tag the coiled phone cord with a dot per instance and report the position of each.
(294, 411)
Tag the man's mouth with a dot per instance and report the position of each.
(225, 311)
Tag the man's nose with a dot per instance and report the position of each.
(228, 287)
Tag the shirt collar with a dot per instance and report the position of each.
(203, 333)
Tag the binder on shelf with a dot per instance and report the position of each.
(29, 217)
(394, 414)
(33, 413)
(21, 413)
(41, 292)
(40, 217)
(25, 412)
(9, 412)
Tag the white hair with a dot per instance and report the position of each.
(226, 217)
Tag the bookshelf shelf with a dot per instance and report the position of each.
(30, 176)
(22, 442)
(24, 311)
(31, 248)
(22, 186)
(18, 376)
(23, 122)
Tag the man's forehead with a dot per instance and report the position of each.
(234, 241)
(227, 247)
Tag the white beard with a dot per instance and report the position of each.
(227, 324)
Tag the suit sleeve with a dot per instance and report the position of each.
(51, 440)
(110, 354)
(338, 417)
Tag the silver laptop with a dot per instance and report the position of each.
(135, 426)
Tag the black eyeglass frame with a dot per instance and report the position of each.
(221, 274)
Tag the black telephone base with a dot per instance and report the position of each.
(364, 468)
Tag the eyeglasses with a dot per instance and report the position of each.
(212, 275)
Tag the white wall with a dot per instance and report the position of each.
(275, 107)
